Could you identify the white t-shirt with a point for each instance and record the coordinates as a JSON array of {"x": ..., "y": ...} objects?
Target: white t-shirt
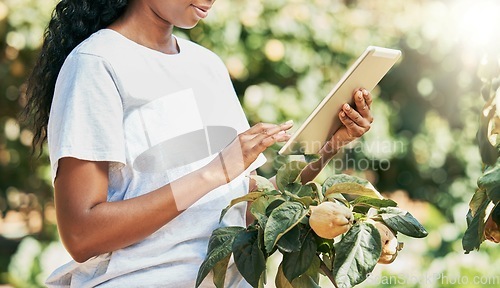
[{"x": 154, "y": 117}]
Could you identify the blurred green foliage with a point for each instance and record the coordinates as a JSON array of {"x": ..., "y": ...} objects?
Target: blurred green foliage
[{"x": 283, "y": 57}]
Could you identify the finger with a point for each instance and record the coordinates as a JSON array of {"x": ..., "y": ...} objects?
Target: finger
[
  {"x": 355, "y": 116},
  {"x": 258, "y": 128},
  {"x": 353, "y": 130},
  {"x": 269, "y": 141},
  {"x": 368, "y": 97},
  {"x": 360, "y": 99},
  {"x": 368, "y": 100},
  {"x": 360, "y": 103},
  {"x": 274, "y": 131},
  {"x": 265, "y": 127}
]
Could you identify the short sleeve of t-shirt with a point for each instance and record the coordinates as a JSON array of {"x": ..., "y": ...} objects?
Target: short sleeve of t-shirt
[{"x": 86, "y": 118}]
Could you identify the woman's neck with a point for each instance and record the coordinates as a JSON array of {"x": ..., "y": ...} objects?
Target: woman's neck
[{"x": 140, "y": 24}]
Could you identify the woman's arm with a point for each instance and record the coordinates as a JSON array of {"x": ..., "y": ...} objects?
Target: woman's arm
[{"x": 89, "y": 225}]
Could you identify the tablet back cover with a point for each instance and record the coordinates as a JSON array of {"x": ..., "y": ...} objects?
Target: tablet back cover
[{"x": 323, "y": 122}]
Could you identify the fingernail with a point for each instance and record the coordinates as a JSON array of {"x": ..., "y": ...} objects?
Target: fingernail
[
  {"x": 359, "y": 95},
  {"x": 365, "y": 92},
  {"x": 342, "y": 114},
  {"x": 347, "y": 107},
  {"x": 289, "y": 122}
]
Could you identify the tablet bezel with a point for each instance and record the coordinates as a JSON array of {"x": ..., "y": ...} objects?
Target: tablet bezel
[{"x": 313, "y": 134}]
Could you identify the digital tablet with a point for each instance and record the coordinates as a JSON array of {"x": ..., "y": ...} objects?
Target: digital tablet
[{"x": 324, "y": 121}]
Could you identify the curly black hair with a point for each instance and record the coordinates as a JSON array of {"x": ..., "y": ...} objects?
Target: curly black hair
[{"x": 72, "y": 22}]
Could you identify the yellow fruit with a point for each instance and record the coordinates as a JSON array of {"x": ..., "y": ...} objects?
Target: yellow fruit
[
  {"x": 387, "y": 258},
  {"x": 390, "y": 245},
  {"x": 330, "y": 219}
]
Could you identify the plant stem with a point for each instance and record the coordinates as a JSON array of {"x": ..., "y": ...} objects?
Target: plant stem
[{"x": 327, "y": 271}]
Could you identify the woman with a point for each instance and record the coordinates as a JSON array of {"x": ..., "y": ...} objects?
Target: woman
[{"x": 137, "y": 118}]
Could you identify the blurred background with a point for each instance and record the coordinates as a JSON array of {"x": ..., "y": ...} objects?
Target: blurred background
[{"x": 284, "y": 56}]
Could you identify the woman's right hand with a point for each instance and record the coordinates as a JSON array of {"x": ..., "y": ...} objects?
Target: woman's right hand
[{"x": 247, "y": 146}]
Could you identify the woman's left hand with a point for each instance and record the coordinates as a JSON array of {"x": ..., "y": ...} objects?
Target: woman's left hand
[{"x": 357, "y": 120}]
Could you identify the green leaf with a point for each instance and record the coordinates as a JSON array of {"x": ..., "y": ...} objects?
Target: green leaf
[
  {"x": 495, "y": 214},
  {"x": 353, "y": 189},
  {"x": 273, "y": 205},
  {"x": 361, "y": 210},
  {"x": 219, "y": 247},
  {"x": 252, "y": 196},
  {"x": 310, "y": 279},
  {"x": 317, "y": 190},
  {"x": 402, "y": 221},
  {"x": 477, "y": 200},
  {"x": 494, "y": 195},
  {"x": 489, "y": 153},
  {"x": 289, "y": 173},
  {"x": 306, "y": 200},
  {"x": 312, "y": 271},
  {"x": 263, "y": 184},
  {"x": 290, "y": 242},
  {"x": 262, "y": 280},
  {"x": 220, "y": 270},
  {"x": 300, "y": 190},
  {"x": 324, "y": 245},
  {"x": 305, "y": 281},
  {"x": 338, "y": 197},
  {"x": 356, "y": 255},
  {"x": 297, "y": 263},
  {"x": 373, "y": 202},
  {"x": 281, "y": 220},
  {"x": 258, "y": 208},
  {"x": 248, "y": 257},
  {"x": 474, "y": 235},
  {"x": 280, "y": 280},
  {"x": 491, "y": 178},
  {"x": 343, "y": 178},
  {"x": 328, "y": 259}
]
